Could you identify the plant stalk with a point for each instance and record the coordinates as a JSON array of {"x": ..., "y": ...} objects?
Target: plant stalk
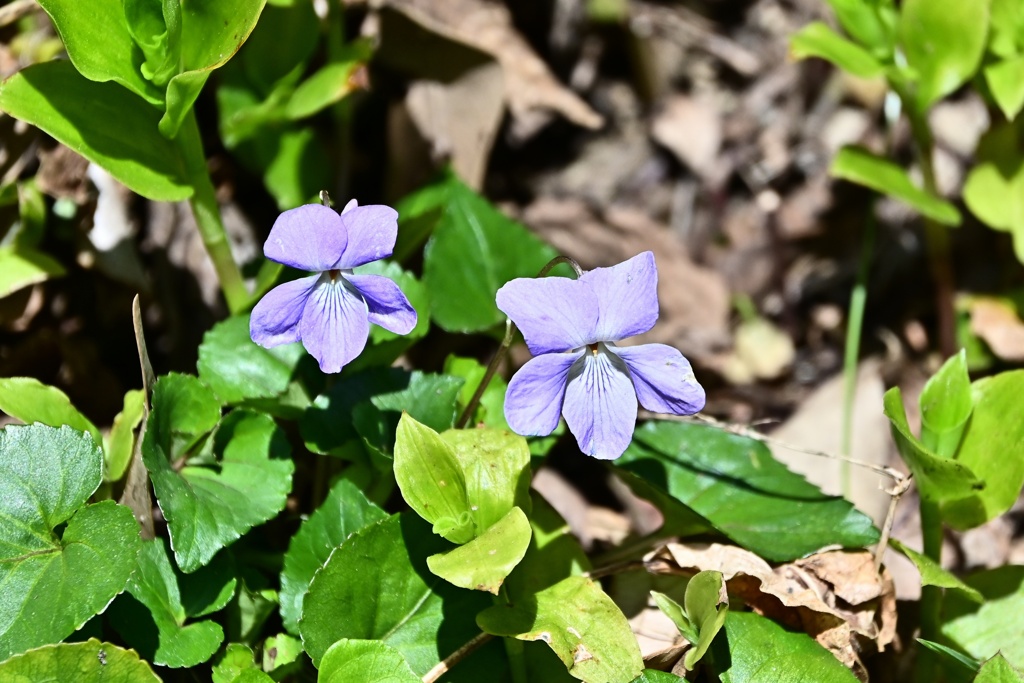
[
  {"x": 931, "y": 596},
  {"x": 207, "y": 215}
]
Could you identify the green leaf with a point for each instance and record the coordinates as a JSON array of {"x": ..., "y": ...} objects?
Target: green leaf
[
  {"x": 655, "y": 676},
  {"x": 994, "y": 190},
  {"x": 237, "y": 369},
  {"x": 998, "y": 670},
  {"x": 490, "y": 410},
  {"x": 484, "y": 562},
  {"x": 344, "y": 512},
  {"x": 707, "y": 606},
  {"x": 860, "y": 166},
  {"x": 378, "y": 578},
  {"x": 938, "y": 479},
  {"x": 674, "y": 611},
  {"x": 1007, "y": 28},
  {"x": 554, "y": 553},
  {"x": 210, "y": 504},
  {"x": 386, "y": 346},
  {"x": 55, "y": 581},
  {"x": 29, "y": 400},
  {"x": 496, "y": 466},
  {"x": 994, "y": 626},
  {"x": 946, "y": 405},
  {"x": 579, "y": 622},
  {"x": 872, "y": 24},
  {"x": 432, "y": 481},
  {"x": 283, "y": 655},
  {"x": 120, "y": 444},
  {"x": 211, "y": 33},
  {"x": 367, "y": 661},
  {"x": 761, "y": 651},
  {"x": 99, "y": 44},
  {"x": 475, "y": 249},
  {"x": 993, "y": 448},
  {"x": 943, "y": 41},
  {"x": 1005, "y": 79},
  {"x": 278, "y": 49},
  {"x": 330, "y": 84},
  {"x": 818, "y": 40},
  {"x": 932, "y": 573},
  {"x": 92, "y": 662},
  {"x": 734, "y": 483},
  {"x": 155, "y": 26},
  {"x": 154, "y": 587},
  {"x": 117, "y": 131},
  {"x": 22, "y": 267},
  {"x": 232, "y": 662},
  {"x": 969, "y": 663}
]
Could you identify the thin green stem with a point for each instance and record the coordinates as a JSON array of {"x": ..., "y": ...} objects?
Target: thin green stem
[
  {"x": 931, "y": 596},
  {"x": 207, "y": 214},
  {"x": 513, "y": 647},
  {"x": 854, "y": 333}
]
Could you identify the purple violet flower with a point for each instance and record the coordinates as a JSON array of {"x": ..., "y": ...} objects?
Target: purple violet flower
[
  {"x": 330, "y": 312},
  {"x": 571, "y": 327}
]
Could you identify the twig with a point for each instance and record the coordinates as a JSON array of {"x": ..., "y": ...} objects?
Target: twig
[
  {"x": 894, "y": 498},
  {"x": 454, "y": 658},
  {"x": 16, "y": 10}
]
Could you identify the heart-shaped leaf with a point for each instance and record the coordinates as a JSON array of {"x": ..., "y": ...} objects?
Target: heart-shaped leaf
[
  {"x": 367, "y": 661},
  {"x": 92, "y": 662}
]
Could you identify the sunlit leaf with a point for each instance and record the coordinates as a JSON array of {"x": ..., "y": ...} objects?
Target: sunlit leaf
[
  {"x": 22, "y": 267},
  {"x": 818, "y": 40},
  {"x": 761, "y": 651},
  {"x": 367, "y": 661},
  {"x": 946, "y": 405},
  {"x": 994, "y": 626},
  {"x": 29, "y": 400},
  {"x": 484, "y": 562},
  {"x": 92, "y": 662},
  {"x": 994, "y": 190},
  {"x": 932, "y": 573}
]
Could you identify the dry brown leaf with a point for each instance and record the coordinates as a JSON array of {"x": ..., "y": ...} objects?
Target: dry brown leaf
[
  {"x": 532, "y": 92},
  {"x": 998, "y": 324},
  {"x": 694, "y": 300},
  {"x": 691, "y": 128},
  {"x": 836, "y": 596}
]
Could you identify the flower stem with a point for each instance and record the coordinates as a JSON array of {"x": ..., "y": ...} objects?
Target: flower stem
[
  {"x": 931, "y": 596},
  {"x": 854, "y": 332},
  {"x": 207, "y": 215},
  {"x": 499, "y": 356},
  {"x": 454, "y": 658}
]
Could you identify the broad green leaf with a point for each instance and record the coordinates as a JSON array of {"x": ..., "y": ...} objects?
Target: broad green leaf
[
  {"x": 818, "y": 40},
  {"x": 491, "y": 409},
  {"x": 29, "y": 400},
  {"x": 707, "y": 606},
  {"x": 474, "y": 250},
  {"x": 120, "y": 443},
  {"x": 344, "y": 512},
  {"x": 432, "y": 481},
  {"x": 993, "y": 448},
  {"x": 117, "y": 131},
  {"x": 1007, "y": 28},
  {"x": 209, "y": 504},
  {"x": 237, "y": 369},
  {"x": 99, "y": 44},
  {"x": 330, "y": 84},
  {"x": 54, "y": 581},
  {"x": 938, "y": 479},
  {"x": 1005, "y": 79},
  {"x": 860, "y": 166},
  {"x": 998, "y": 670},
  {"x": 367, "y": 661},
  {"x": 943, "y": 41},
  {"x": 379, "y": 580},
  {"x": 156, "y": 601},
  {"x": 211, "y": 33},
  {"x": 872, "y": 24},
  {"x": 579, "y": 622},
  {"x": 946, "y": 405},
  {"x": 994, "y": 626},
  {"x": 92, "y": 662},
  {"x": 761, "y": 651},
  {"x": 735, "y": 484},
  {"x": 496, "y": 467},
  {"x": 484, "y": 562},
  {"x": 994, "y": 190},
  {"x": 22, "y": 267},
  {"x": 932, "y": 574}
]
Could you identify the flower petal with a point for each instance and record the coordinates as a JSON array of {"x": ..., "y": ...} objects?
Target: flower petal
[
  {"x": 275, "y": 319},
  {"x": 372, "y": 231},
  {"x": 600, "y": 405},
  {"x": 334, "y": 324},
  {"x": 533, "y": 402},
  {"x": 663, "y": 379},
  {"x": 554, "y": 313},
  {"x": 627, "y": 296},
  {"x": 387, "y": 304},
  {"x": 310, "y": 237}
]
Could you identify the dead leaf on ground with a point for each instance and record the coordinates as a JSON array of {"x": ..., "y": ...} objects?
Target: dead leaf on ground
[
  {"x": 531, "y": 90},
  {"x": 691, "y": 128},
  {"x": 998, "y": 324},
  {"x": 694, "y": 300},
  {"x": 836, "y": 596}
]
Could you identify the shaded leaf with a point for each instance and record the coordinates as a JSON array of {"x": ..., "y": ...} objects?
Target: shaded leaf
[
  {"x": 761, "y": 651},
  {"x": 994, "y": 190},
  {"x": 707, "y": 606},
  {"x": 860, "y": 166},
  {"x": 120, "y": 443},
  {"x": 92, "y": 662},
  {"x": 54, "y": 581},
  {"x": 117, "y": 131},
  {"x": 994, "y": 626}
]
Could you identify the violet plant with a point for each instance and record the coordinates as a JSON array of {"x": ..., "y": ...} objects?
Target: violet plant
[{"x": 304, "y": 508}]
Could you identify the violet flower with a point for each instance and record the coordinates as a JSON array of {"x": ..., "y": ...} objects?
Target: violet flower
[
  {"x": 571, "y": 327},
  {"x": 330, "y": 312}
]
